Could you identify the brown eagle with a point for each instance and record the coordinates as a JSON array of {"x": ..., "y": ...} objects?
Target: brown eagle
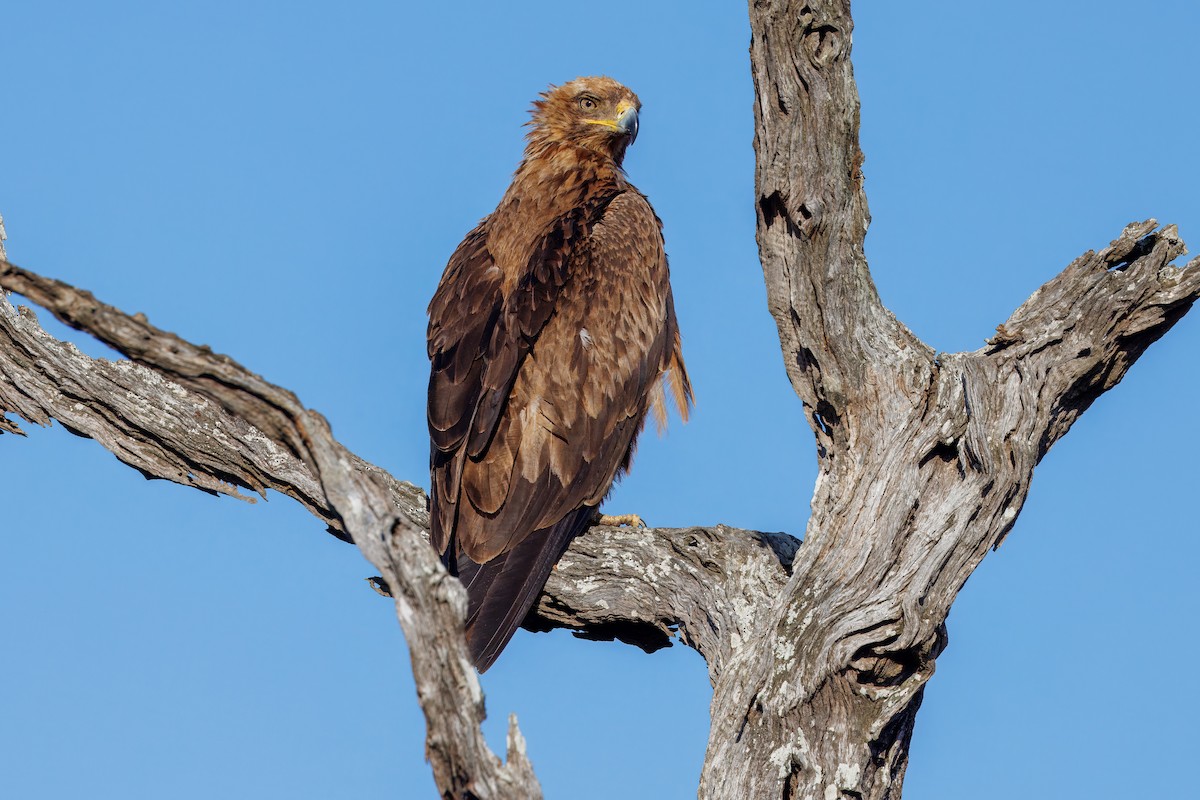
[{"x": 551, "y": 335}]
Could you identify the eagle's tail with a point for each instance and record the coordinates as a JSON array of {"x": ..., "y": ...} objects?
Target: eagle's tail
[{"x": 502, "y": 591}]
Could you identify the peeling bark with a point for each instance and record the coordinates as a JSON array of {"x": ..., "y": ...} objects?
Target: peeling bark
[{"x": 818, "y": 654}]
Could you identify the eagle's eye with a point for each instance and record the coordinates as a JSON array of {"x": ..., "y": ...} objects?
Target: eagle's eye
[{"x": 588, "y": 103}]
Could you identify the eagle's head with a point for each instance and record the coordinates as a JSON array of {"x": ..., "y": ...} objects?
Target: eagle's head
[{"x": 597, "y": 113}]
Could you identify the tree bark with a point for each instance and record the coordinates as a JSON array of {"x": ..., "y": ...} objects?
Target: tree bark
[
  {"x": 924, "y": 459},
  {"x": 818, "y": 654}
]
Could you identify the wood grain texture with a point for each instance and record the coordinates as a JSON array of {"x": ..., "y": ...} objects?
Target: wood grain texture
[{"x": 924, "y": 459}]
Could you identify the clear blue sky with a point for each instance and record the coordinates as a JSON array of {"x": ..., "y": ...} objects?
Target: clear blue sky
[{"x": 285, "y": 182}]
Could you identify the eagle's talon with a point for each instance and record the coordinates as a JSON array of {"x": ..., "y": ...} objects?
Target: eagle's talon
[{"x": 616, "y": 521}]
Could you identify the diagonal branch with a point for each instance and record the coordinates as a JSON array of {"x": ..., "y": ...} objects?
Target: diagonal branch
[
  {"x": 179, "y": 412},
  {"x": 269, "y": 408},
  {"x": 142, "y": 417},
  {"x": 431, "y": 606},
  {"x": 208, "y": 377},
  {"x": 1079, "y": 334}
]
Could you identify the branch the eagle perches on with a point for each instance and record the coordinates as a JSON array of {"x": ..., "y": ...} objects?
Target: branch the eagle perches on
[
  {"x": 179, "y": 412},
  {"x": 924, "y": 462}
]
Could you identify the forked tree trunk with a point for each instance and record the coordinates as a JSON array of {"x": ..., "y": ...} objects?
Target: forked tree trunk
[
  {"x": 924, "y": 460},
  {"x": 819, "y": 653}
]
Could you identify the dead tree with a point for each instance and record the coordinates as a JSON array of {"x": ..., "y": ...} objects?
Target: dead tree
[{"x": 818, "y": 654}]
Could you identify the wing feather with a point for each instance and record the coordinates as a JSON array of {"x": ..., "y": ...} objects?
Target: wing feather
[
  {"x": 529, "y": 306},
  {"x": 462, "y": 315}
]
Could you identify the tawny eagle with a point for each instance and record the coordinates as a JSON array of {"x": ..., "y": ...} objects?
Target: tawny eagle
[{"x": 551, "y": 335}]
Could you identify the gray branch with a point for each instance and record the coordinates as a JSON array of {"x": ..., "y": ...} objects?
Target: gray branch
[{"x": 179, "y": 412}]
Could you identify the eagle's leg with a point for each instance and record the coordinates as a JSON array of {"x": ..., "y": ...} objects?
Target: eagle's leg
[{"x": 633, "y": 520}]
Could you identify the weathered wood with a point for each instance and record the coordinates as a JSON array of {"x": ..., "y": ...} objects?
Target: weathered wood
[
  {"x": 925, "y": 460},
  {"x": 269, "y": 408},
  {"x": 146, "y": 420},
  {"x": 637, "y": 585},
  {"x": 697, "y": 582},
  {"x": 431, "y": 607}
]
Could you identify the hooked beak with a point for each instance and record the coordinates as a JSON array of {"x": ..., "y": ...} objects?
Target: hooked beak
[{"x": 627, "y": 120}]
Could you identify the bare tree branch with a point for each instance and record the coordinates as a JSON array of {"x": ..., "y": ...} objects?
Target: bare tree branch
[
  {"x": 144, "y": 419},
  {"x": 183, "y": 434},
  {"x": 267, "y": 407},
  {"x": 638, "y": 586},
  {"x": 1076, "y": 337},
  {"x": 431, "y": 606}
]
